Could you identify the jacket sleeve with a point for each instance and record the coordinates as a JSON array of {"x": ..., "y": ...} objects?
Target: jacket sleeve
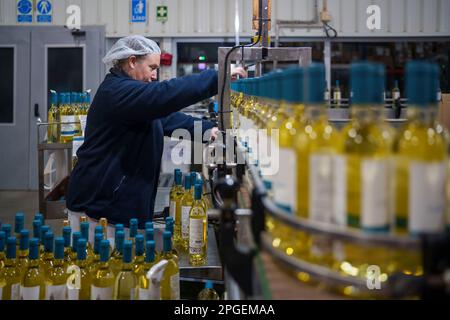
[
  {"x": 133, "y": 101},
  {"x": 180, "y": 120}
]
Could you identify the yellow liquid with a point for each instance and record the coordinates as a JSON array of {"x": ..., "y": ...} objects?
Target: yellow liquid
[
  {"x": 46, "y": 261},
  {"x": 34, "y": 277},
  {"x": 67, "y": 115},
  {"x": 54, "y": 130},
  {"x": 86, "y": 280},
  {"x": 198, "y": 239},
  {"x": 126, "y": 284},
  {"x": 170, "y": 280},
  {"x": 57, "y": 274},
  {"x": 9, "y": 279},
  {"x": 177, "y": 196},
  {"x": 22, "y": 261},
  {"x": 103, "y": 277},
  {"x": 320, "y": 142},
  {"x": 186, "y": 204}
]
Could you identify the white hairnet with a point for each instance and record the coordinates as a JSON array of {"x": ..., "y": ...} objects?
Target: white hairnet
[{"x": 130, "y": 46}]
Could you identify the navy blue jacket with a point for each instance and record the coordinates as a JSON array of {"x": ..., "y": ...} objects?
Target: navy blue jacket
[{"x": 117, "y": 172}]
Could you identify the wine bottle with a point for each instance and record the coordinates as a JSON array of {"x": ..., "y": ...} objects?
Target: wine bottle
[
  {"x": 32, "y": 285},
  {"x": 56, "y": 278},
  {"x": 117, "y": 256},
  {"x": 170, "y": 283},
  {"x": 10, "y": 273},
  {"x": 126, "y": 282},
  {"x": 102, "y": 287},
  {"x": 144, "y": 282}
]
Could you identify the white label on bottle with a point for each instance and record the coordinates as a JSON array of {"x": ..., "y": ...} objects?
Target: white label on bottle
[
  {"x": 15, "y": 291},
  {"x": 73, "y": 294},
  {"x": 175, "y": 287},
  {"x": 148, "y": 294},
  {"x": 326, "y": 96},
  {"x": 55, "y": 292},
  {"x": 76, "y": 144},
  {"x": 395, "y": 95},
  {"x": 195, "y": 236},
  {"x": 321, "y": 187},
  {"x": 30, "y": 293},
  {"x": 426, "y": 197},
  {"x": 83, "y": 119},
  {"x": 340, "y": 191},
  {"x": 337, "y": 95},
  {"x": 98, "y": 293},
  {"x": 67, "y": 129},
  {"x": 172, "y": 209},
  {"x": 185, "y": 221},
  {"x": 133, "y": 294},
  {"x": 285, "y": 189},
  {"x": 374, "y": 198}
]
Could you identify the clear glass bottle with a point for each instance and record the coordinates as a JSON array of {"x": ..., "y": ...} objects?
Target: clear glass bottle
[
  {"x": 32, "y": 284},
  {"x": 102, "y": 287},
  {"x": 126, "y": 282},
  {"x": 56, "y": 278}
]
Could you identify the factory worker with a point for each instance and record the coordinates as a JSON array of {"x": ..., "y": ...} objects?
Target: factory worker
[{"x": 116, "y": 175}]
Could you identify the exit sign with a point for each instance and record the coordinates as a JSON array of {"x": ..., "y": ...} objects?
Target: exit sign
[{"x": 161, "y": 13}]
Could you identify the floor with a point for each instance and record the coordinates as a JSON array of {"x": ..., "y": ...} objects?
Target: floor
[{"x": 27, "y": 202}]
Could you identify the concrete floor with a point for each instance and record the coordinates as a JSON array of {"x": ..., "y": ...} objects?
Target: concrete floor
[{"x": 27, "y": 202}]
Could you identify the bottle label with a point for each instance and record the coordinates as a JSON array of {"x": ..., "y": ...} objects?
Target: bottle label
[
  {"x": 73, "y": 294},
  {"x": 395, "y": 95},
  {"x": 172, "y": 209},
  {"x": 15, "y": 291},
  {"x": 340, "y": 191},
  {"x": 83, "y": 119},
  {"x": 426, "y": 200},
  {"x": 320, "y": 188},
  {"x": 374, "y": 198},
  {"x": 148, "y": 294},
  {"x": 185, "y": 221},
  {"x": 98, "y": 293},
  {"x": 195, "y": 236},
  {"x": 175, "y": 287},
  {"x": 76, "y": 144},
  {"x": 55, "y": 292},
  {"x": 67, "y": 129},
  {"x": 285, "y": 188},
  {"x": 30, "y": 293},
  {"x": 337, "y": 95}
]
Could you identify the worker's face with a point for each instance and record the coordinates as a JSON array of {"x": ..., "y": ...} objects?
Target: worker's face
[{"x": 144, "y": 68}]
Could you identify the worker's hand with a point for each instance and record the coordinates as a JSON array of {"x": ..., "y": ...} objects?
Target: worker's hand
[{"x": 238, "y": 71}]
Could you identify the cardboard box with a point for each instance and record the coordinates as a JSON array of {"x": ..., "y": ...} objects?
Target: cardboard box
[{"x": 444, "y": 111}]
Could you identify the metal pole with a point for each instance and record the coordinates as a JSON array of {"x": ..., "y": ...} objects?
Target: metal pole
[{"x": 327, "y": 62}]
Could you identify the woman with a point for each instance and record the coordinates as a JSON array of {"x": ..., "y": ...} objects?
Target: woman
[{"x": 116, "y": 175}]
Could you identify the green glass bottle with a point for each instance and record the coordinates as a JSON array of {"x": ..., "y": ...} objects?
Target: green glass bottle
[
  {"x": 22, "y": 259},
  {"x": 139, "y": 258},
  {"x": 117, "y": 256},
  {"x": 198, "y": 223},
  {"x": 170, "y": 283},
  {"x": 67, "y": 234},
  {"x": 32, "y": 285},
  {"x": 102, "y": 287},
  {"x": 94, "y": 263},
  {"x": 126, "y": 282},
  {"x": 10, "y": 273},
  {"x": 186, "y": 204},
  {"x": 144, "y": 282},
  {"x": 48, "y": 256},
  {"x": 56, "y": 278}
]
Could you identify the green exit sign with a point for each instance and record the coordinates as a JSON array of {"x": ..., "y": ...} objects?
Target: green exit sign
[{"x": 161, "y": 13}]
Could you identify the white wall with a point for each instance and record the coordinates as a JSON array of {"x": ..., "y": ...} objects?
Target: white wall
[{"x": 215, "y": 18}]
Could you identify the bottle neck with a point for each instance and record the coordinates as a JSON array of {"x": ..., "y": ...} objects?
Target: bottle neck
[
  {"x": 366, "y": 113},
  {"x": 316, "y": 112},
  {"x": 58, "y": 262},
  {"x": 34, "y": 263},
  {"x": 82, "y": 263},
  {"x": 23, "y": 254},
  {"x": 128, "y": 266},
  {"x": 422, "y": 114}
]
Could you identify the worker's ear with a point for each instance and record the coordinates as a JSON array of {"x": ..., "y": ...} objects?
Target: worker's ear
[{"x": 132, "y": 62}]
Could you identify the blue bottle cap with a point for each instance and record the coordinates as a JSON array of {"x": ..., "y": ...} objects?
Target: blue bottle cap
[
  {"x": 62, "y": 98},
  {"x": 97, "y": 240},
  {"x": 24, "y": 239},
  {"x": 119, "y": 227},
  {"x": 81, "y": 249},
  {"x": 150, "y": 251},
  {"x": 362, "y": 82},
  {"x": 48, "y": 241},
  {"x": 53, "y": 97},
  {"x": 379, "y": 82},
  {"x": 198, "y": 192},
  {"x": 104, "y": 250},
  {"x": 187, "y": 182},
  {"x": 2, "y": 241},
  {"x": 418, "y": 82},
  {"x": 88, "y": 98},
  {"x": 127, "y": 251},
  {"x": 133, "y": 227},
  {"x": 149, "y": 225},
  {"x": 169, "y": 219},
  {"x": 39, "y": 216},
  {"x": 44, "y": 230},
  {"x": 268, "y": 184},
  {"x": 169, "y": 226},
  {"x": 59, "y": 248},
  {"x": 67, "y": 232},
  {"x": 73, "y": 97},
  {"x": 149, "y": 234},
  {"x": 175, "y": 171},
  {"x": 178, "y": 178},
  {"x": 11, "y": 247},
  {"x": 98, "y": 229},
  {"x": 84, "y": 228},
  {"x": 19, "y": 222},
  {"x": 139, "y": 245},
  {"x": 167, "y": 241},
  {"x": 34, "y": 249},
  {"x": 292, "y": 89},
  {"x": 37, "y": 228},
  {"x": 314, "y": 83},
  {"x": 120, "y": 238},
  {"x": 209, "y": 284},
  {"x": 7, "y": 229},
  {"x": 193, "y": 175},
  {"x": 75, "y": 237}
]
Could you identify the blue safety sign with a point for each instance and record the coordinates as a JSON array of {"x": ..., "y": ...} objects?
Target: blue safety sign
[
  {"x": 24, "y": 11},
  {"x": 138, "y": 10},
  {"x": 44, "y": 11}
]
